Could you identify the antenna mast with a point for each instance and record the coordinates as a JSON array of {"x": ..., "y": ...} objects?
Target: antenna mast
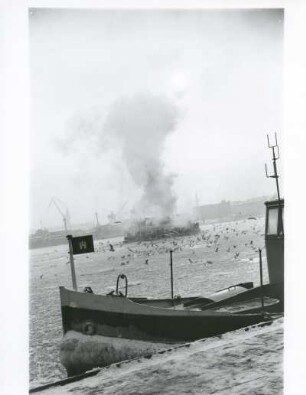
[{"x": 275, "y": 157}]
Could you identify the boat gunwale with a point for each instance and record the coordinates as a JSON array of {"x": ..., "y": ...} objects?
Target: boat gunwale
[{"x": 130, "y": 307}]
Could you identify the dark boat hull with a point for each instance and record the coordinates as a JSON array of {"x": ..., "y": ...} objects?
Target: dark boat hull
[
  {"x": 120, "y": 317},
  {"x": 100, "y": 330},
  {"x": 161, "y": 328}
]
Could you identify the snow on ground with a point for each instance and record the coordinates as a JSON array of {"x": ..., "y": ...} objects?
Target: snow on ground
[{"x": 244, "y": 362}]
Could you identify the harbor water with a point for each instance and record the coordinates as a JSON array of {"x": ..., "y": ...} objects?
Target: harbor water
[{"x": 223, "y": 254}]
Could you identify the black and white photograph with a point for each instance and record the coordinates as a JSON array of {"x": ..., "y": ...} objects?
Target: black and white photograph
[{"x": 155, "y": 239}]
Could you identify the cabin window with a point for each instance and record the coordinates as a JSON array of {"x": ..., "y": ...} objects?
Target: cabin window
[
  {"x": 275, "y": 221},
  {"x": 272, "y": 221},
  {"x": 281, "y": 222}
]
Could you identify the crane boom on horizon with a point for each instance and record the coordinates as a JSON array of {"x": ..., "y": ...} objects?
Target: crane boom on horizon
[{"x": 64, "y": 217}]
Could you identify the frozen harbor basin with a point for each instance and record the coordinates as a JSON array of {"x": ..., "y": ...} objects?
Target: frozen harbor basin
[
  {"x": 248, "y": 361},
  {"x": 222, "y": 255}
]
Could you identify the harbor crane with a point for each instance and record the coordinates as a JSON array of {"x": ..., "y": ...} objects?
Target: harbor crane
[
  {"x": 65, "y": 217},
  {"x": 97, "y": 219},
  {"x": 122, "y": 208},
  {"x": 112, "y": 216}
]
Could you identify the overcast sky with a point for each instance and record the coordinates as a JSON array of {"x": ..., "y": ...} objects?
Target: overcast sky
[{"x": 220, "y": 70}]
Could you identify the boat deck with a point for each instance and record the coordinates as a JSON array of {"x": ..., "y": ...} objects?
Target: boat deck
[{"x": 254, "y": 304}]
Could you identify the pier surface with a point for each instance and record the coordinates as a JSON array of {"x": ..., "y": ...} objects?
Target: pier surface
[{"x": 246, "y": 361}]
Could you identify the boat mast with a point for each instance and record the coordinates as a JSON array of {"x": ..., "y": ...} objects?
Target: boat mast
[
  {"x": 274, "y": 232},
  {"x": 275, "y": 157},
  {"x": 72, "y": 267},
  {"x": 171, "y": 273},
  {"x": 261, "y": 281}
]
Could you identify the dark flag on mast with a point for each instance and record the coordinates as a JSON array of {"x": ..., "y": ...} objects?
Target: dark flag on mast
[
  {"x": 82, "y": 244},
  {"x": 78, "y": 245}
]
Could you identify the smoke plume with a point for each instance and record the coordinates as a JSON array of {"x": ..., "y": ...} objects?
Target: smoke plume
[{"x": 140, "y": 126}]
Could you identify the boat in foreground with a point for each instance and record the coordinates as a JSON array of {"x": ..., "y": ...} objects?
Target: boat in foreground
[{"x": 103, "y": 329}]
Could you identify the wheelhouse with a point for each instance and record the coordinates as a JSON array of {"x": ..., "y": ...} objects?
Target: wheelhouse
[{"x": 274, "y": 238}]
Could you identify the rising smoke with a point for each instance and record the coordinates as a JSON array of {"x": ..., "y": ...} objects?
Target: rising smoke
[{"x": 140, "y": 125}]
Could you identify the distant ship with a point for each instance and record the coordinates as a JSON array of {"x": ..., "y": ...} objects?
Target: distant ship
[
  {"x": 43, "y": 238},
  {"x": 147, "y": 230}
]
